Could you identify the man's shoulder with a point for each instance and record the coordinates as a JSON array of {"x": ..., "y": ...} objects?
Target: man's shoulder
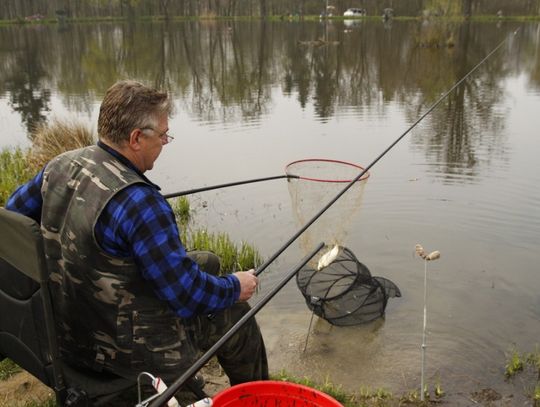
[{"x": 140, "y": 193}]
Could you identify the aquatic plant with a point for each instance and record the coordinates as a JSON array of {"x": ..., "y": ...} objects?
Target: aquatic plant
[
  {"x": 517, "y": 363},
  {"x": 533, "y": 359},
  {"x": 377, "y": 396},
  {"x": 182, "y": 210},
  {"x": 514, "y": 364},
  {"x": 536, "y": 395},
  {"x": 439, "y": 392},
  {"x": 248, "y": 257}
]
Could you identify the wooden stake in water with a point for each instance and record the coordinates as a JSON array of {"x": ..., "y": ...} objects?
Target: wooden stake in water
[{"x": 427, "y": 257}]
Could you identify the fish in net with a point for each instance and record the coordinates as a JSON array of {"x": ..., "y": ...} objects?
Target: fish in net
[{"x": 342, "y": 291}]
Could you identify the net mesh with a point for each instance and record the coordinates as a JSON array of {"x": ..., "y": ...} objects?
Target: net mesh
[
  {"x": 344, "y": 292},
  {"x": 320, "y": 180}
]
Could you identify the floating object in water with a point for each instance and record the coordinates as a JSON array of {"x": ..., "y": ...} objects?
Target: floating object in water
[
  {"x": 433, "y": 255},
  {"x": 422, "y": 253},
  {"x": 327, "y": 258}
]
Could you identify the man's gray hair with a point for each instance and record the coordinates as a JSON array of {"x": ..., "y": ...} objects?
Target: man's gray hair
[{"x": 129, "y": 105}]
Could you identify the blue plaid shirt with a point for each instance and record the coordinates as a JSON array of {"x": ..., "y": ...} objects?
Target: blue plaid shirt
[{"x": 139, "y": 223}]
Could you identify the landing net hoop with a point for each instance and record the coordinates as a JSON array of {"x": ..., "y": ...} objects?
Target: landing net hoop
[
  {"x": 316, "y": 180},
  {"x": 333, "y": 171}
]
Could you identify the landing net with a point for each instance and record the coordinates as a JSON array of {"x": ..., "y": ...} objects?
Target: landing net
[{"x": 318, "y": 182}]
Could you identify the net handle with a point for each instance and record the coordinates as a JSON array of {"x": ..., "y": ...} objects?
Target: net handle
[{"x": 325, "y": 160}]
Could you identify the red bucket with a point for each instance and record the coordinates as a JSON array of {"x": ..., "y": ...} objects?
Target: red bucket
[{"x": 270, "y": 393}]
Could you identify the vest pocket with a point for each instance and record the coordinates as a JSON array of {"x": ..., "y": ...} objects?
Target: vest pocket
[{"x": 160, "y": 341}]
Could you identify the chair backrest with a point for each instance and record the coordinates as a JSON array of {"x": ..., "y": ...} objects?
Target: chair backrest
[
  {"x": 21, "y": 245},
  {"x": 27, "y": 332},
  {"x": 27, "y": 329}
]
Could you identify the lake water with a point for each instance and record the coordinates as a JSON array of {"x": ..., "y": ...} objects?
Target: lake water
[{"x": 252, "y": 97}]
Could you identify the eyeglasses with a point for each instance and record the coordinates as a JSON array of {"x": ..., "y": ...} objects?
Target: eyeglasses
[{"x": 163, "y": 136}]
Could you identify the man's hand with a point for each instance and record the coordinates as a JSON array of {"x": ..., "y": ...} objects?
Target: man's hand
[{"x": 248, "y": 284}]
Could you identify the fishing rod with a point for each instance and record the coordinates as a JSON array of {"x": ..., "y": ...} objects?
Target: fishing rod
[
  {"x": 229, "y": 184},
  {"x": 173, "y": 388},
  {"x": 170, "y": 391}
]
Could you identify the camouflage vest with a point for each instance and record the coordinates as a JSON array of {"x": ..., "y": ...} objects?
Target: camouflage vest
[{"x": 107, "y": 314}]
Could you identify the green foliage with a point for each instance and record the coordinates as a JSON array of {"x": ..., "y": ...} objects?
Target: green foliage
[
  {"x": 182, "y": 211},
  {"x": 14, "y": 171},
  {"x": 231, "y": 258},
  {"x": 518, "y": 362},
  {"x": 536, "y": 395},
  {"x": 8, "y": 368},
  {"x": 439, "y": 392},
  {"x": 411, "y": 397},
  {"x": 50, "y": 402},
  {"x": 533, "y": 359},
  {"x": 514, "y": 364},
  {"x": 366, "y": 397},
  {"x": 332, "y": 390},
  {"x": 248, "y": 257},
  {"x": 374, "y": 396}
]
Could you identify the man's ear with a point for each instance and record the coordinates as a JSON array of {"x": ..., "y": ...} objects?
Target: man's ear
[{"x": 134, "y": 139}]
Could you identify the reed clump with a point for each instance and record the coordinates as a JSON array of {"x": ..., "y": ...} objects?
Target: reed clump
[
  {"x": 18, "y": 165},
  {"x": 182, "y": 211},
  {"x": 232, "y": 258},
  {"x": 57, "y": 137}
]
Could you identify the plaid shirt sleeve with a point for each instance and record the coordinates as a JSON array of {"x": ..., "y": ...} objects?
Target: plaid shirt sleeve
[
  {"x": 138, "y": 222},
  {"x": 27, "y": 198}
]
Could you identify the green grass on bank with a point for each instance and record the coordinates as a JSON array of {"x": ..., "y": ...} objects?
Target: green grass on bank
[
  {"x": 233, "y": 257},
  {"x": 14, "y": 171},
  {"x": 8, "y": 368}
]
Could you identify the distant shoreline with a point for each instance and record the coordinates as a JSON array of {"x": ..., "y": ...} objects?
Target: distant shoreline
[{"x": 160, "y": 18}]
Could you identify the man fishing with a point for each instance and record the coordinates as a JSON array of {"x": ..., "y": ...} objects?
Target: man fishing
[{"x": 127, "y": 297}]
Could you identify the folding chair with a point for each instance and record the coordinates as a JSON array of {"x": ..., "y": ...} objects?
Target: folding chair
[{"x": 27, "y": 329}]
